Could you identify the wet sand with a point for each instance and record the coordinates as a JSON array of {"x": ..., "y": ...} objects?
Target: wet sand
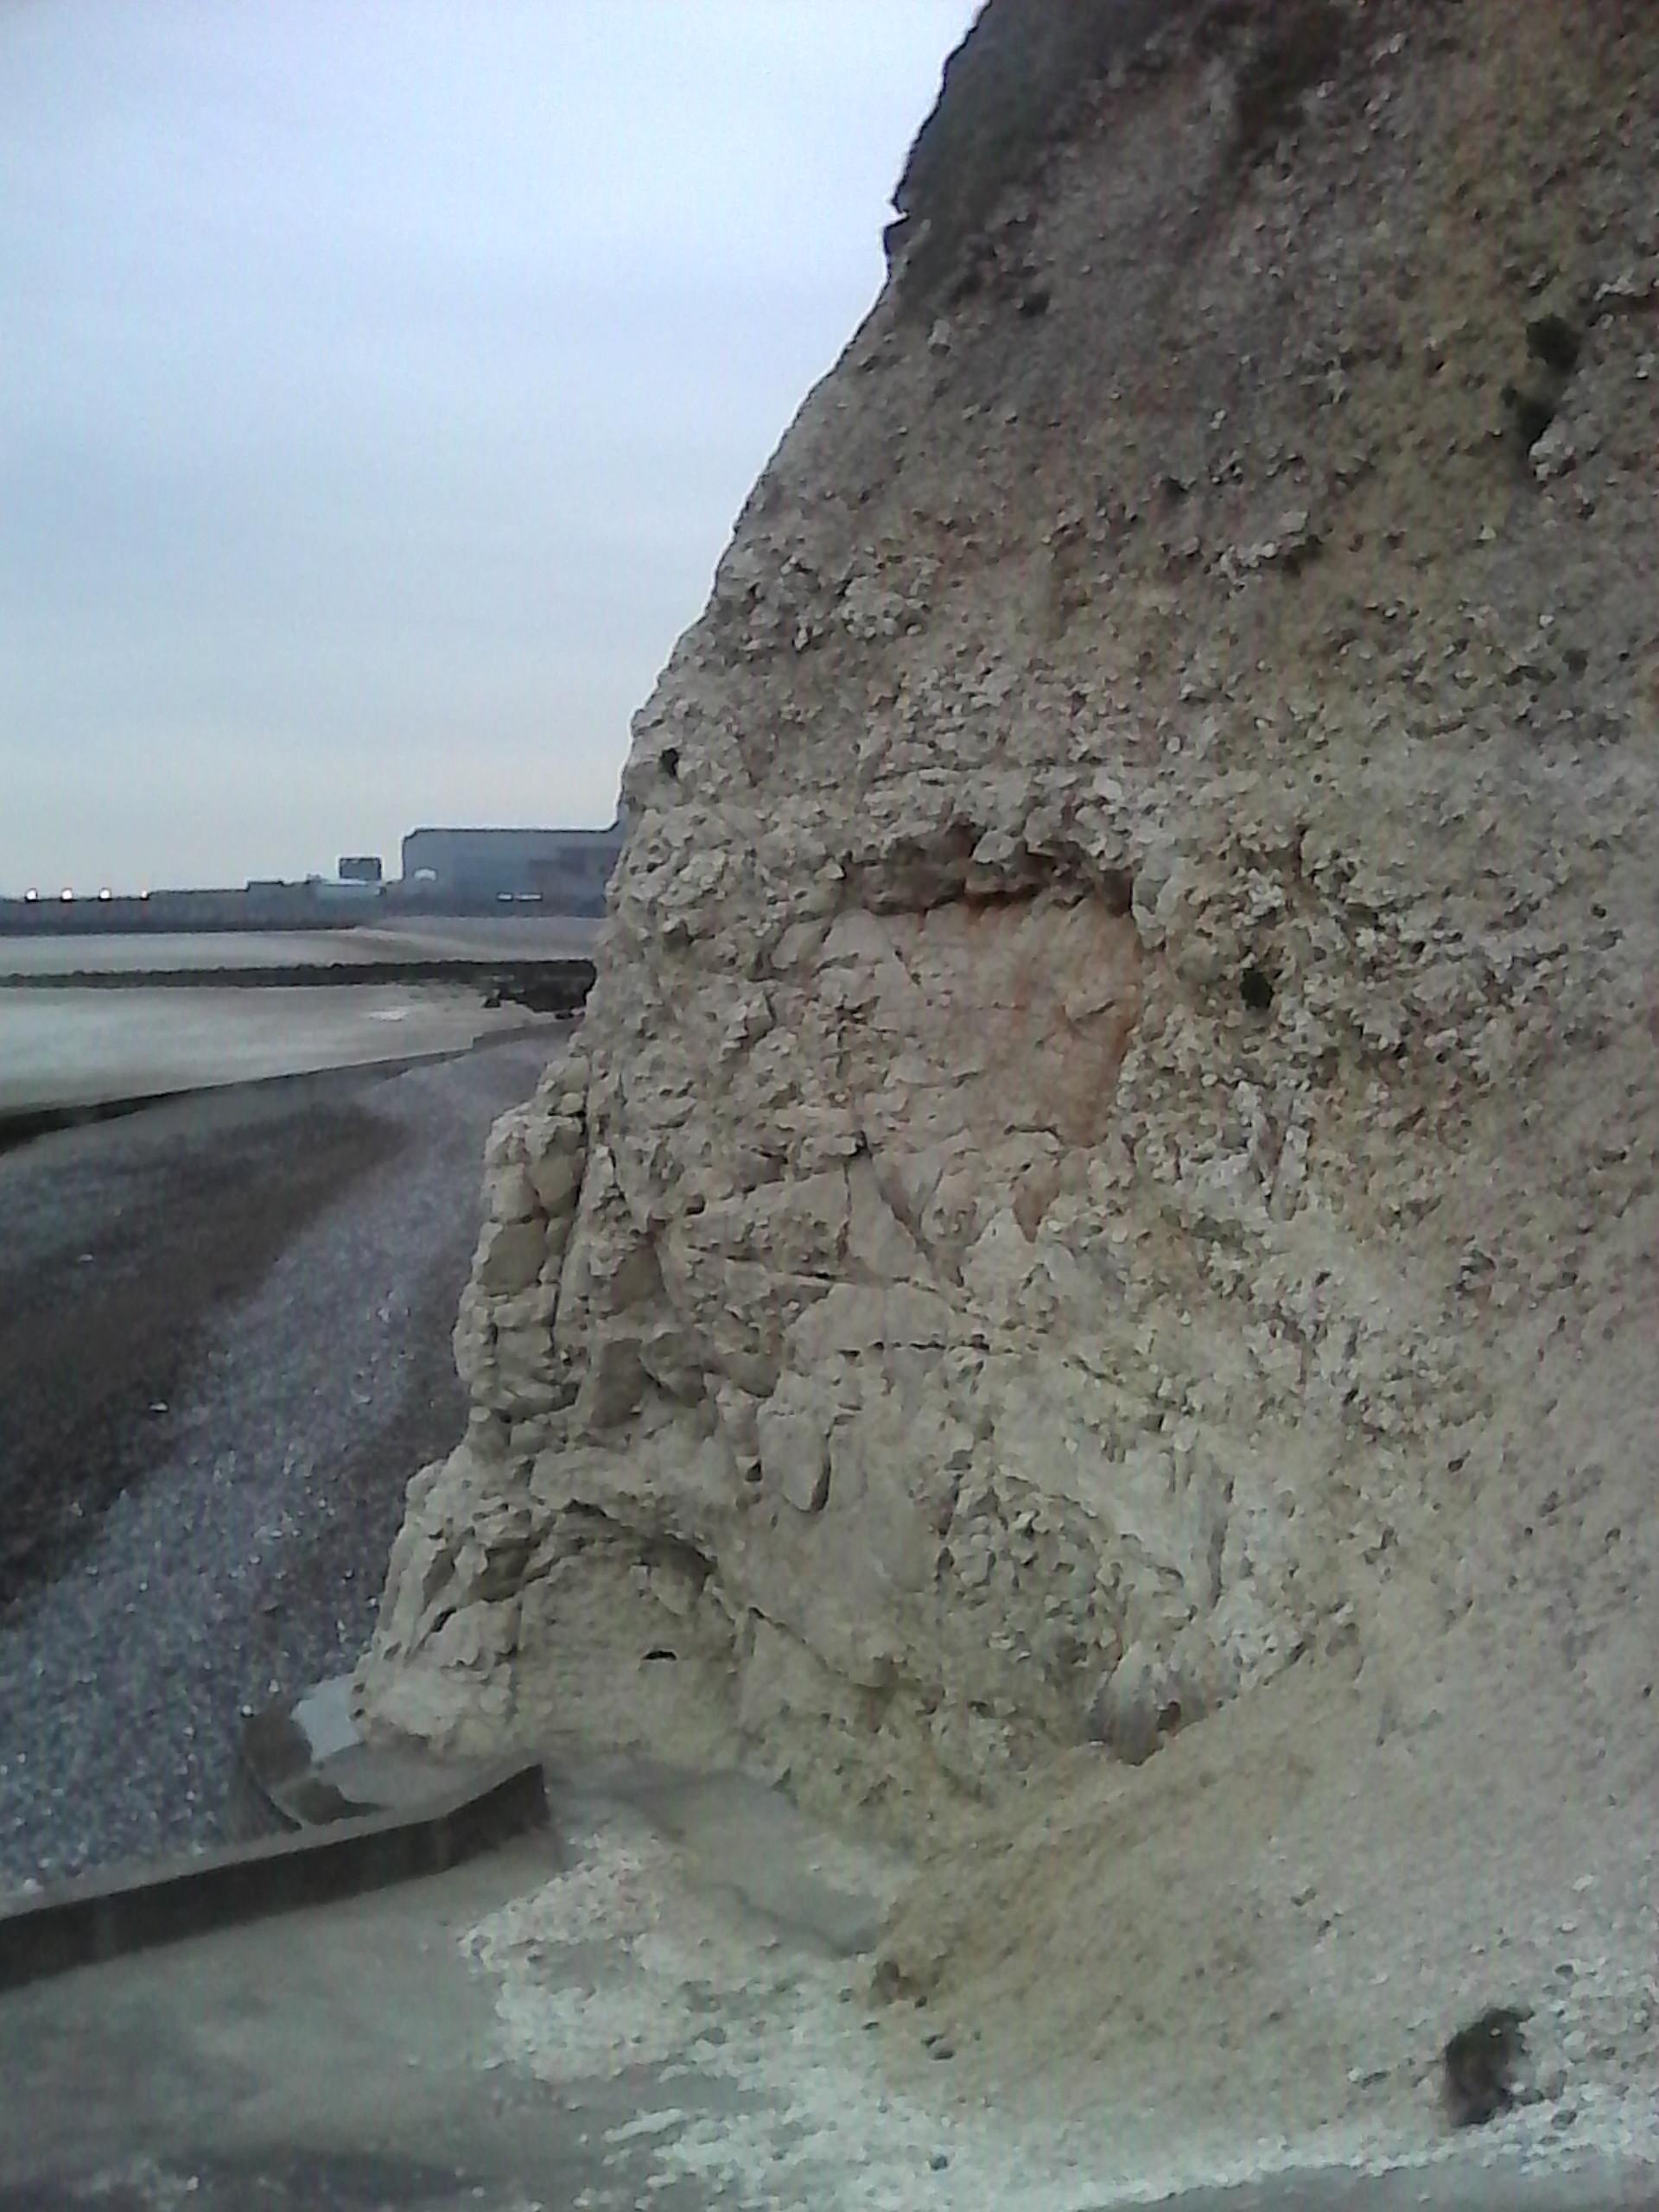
[
  {"x": 72, "y": 1048},
  {"x": 88, "y": 1020}
]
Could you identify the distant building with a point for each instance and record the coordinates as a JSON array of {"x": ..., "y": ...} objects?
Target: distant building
[
  {"x": 361, "y": 867},
  {"x": 563, "y": 871}
]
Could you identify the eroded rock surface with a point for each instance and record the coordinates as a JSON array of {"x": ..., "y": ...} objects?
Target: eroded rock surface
[{"x": 1123, "y": 1048}]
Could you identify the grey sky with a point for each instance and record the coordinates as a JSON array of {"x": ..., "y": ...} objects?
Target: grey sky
[{"x": 379, "y": 382}]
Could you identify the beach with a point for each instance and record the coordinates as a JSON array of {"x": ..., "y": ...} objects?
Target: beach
[
  {"x": 90, "y": 1022},
  {"x": 225, "y": 1327}
]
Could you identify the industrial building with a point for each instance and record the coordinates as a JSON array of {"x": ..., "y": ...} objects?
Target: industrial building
[
  {"x": 462, "y": 870},
  {"x": 560, "y": 872}
]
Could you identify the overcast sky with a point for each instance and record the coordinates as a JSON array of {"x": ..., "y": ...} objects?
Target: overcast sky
[{"x": 379, "y": 380}]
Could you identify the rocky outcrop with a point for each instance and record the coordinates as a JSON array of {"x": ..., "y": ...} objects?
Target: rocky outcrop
[{"x": 1124, "y": 1036}]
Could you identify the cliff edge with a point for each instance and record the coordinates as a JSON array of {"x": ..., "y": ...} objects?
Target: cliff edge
[{"x": 1113, "y": 1152}]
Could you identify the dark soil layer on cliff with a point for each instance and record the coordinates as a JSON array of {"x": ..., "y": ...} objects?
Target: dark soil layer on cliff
[{"x": 224, "y": 1343}]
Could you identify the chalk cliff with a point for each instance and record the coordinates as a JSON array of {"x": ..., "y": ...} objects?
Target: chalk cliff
[{"x": 1114, "y": 1146}]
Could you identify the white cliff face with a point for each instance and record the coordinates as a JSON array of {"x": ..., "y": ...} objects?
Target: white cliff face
[{"x": 1122, "y": 1052}]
